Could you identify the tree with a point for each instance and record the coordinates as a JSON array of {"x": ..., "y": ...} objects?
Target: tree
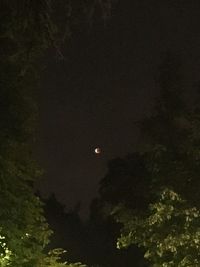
[
  {"x": 169, "y": 231},
  {"x": 23, "y": 228},
  {"x": 69, "y": 230},
  {"x": 27, "y": 28},
  {"x": 36, "y": 25},
  {"x": 103, "y": 232},
  {"x": 169, "y": 174}
]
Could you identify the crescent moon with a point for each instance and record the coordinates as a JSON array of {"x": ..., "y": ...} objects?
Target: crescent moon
[{"x": 97, "y": 150}]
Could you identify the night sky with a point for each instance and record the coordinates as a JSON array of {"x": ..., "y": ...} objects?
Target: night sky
[{"x": 105, "y": 84}]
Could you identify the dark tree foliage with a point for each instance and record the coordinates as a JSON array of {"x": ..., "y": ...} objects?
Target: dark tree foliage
[
  {"x": 169, "y": 152},
  {"x": 92, "y": 241},
  {"x": 69, "y": 230},
  {"x": 171, "y": 136},
  {"x": 126, "y": 182},
  {"x": 152, "y": 191},
  {"x": 106, "y": 231},
  {"x": 27, "y": 29},
  {"x": 34, "y": 25}
]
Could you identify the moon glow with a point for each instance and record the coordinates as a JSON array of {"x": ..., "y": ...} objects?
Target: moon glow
[{"x": 97, "y": 150}]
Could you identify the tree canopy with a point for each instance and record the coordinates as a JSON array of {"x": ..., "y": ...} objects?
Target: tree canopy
[{"x": 154, "y": 191}]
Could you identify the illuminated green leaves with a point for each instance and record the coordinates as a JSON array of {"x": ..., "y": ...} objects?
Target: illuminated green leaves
[
  {"x": 5, "y": 253},
  {"x": 169, "y": 232}
]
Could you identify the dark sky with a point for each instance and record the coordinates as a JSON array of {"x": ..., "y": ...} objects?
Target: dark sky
[{"x": 104, "y": 85}]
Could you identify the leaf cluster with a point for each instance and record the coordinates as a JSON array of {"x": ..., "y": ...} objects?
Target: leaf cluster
[{"x": 169, "y": 231}]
